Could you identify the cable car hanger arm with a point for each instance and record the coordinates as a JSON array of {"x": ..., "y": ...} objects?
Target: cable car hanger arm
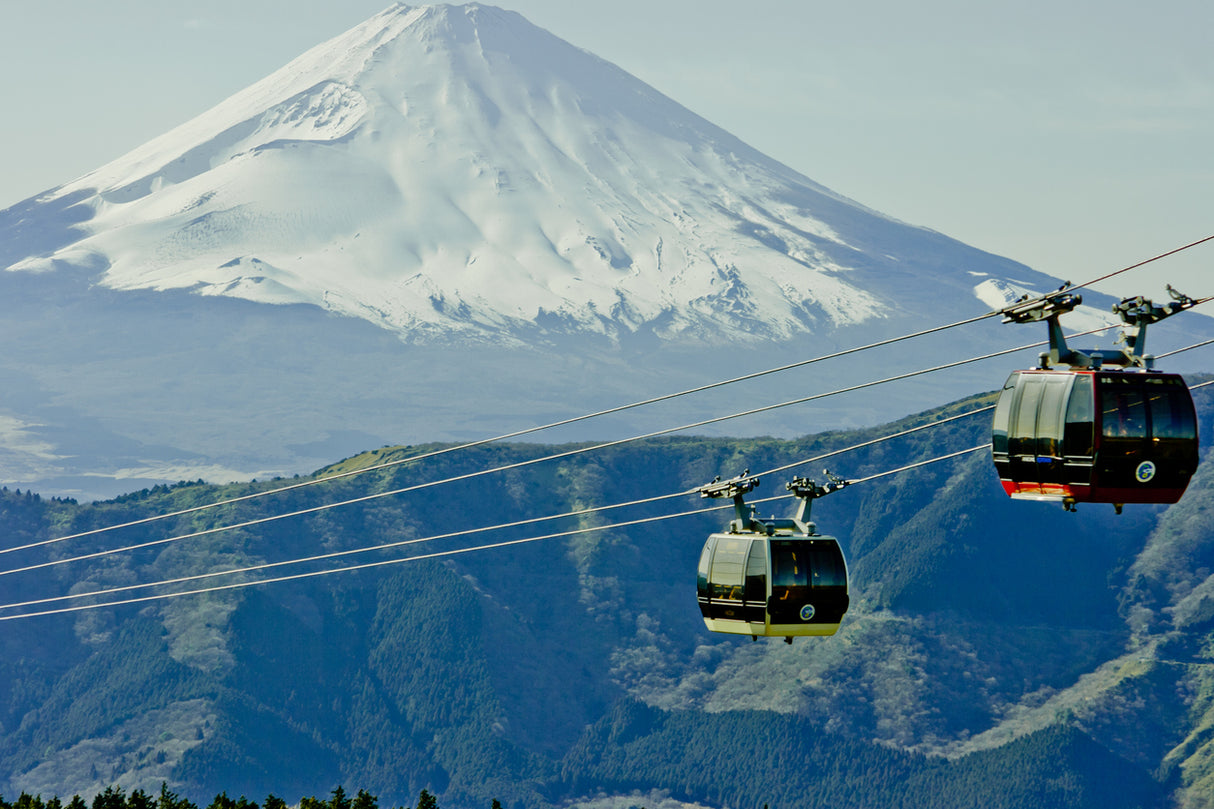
[
  {"x": 1135, "y": 312},
  {"x": 736, "y": 488},
  {"x": 804, "y": 489}
]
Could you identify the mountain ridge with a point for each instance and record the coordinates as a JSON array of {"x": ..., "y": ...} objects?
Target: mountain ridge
[
  {"x": 428, "y": 171},
  {"x": 549, "y": 672}
]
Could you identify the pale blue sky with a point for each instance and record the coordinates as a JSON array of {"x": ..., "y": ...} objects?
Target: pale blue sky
[{"x": 1076, "y": 137}]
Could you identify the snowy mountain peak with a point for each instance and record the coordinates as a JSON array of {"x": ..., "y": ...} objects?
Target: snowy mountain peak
[{"x": 456, "y": 172}]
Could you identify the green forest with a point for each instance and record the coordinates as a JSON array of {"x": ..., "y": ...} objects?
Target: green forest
[
  {"x": 997, "y": 653},
  {"x": 116, "y": 798}
]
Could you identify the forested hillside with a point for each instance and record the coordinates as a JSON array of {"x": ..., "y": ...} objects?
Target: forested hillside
[{"x": 997, "y": 653}]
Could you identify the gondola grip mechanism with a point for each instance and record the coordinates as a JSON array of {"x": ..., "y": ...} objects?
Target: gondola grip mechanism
[
  {"x": 735, "y": 488},
  {"x": 807, "y": 490}
]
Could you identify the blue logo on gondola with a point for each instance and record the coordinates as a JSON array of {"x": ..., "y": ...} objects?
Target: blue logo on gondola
[
  {"x": 1145, "y": 471},
  {"x": 807, "y": 612}
]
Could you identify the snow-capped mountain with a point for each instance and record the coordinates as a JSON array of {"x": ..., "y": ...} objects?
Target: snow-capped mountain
[
  {"x": 456, "y": 170},
  {"x": 445, "y": 223}
]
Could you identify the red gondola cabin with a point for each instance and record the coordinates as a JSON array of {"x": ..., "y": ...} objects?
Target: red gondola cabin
[{"x": 1095, "y": 436}]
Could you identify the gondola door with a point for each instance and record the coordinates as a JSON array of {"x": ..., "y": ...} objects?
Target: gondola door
[
  {"x": 1147, "y": 438},
  {"x": 732, "y": 583},
  {"x": 1030, "y": 436}
]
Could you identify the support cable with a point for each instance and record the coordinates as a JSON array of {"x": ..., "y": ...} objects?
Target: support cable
[
  {"x": 504, "y": 437},
  {"x": 581, "y": 418},
  {"x": 1141, "y": 263},
  {"x": 1186, "y": 348},
  {"x": 516, "y": 524},
  {"x": 512, "y": 466},
  {"x": 581, "y": 512},
  {"x": 918, "y": 464},
  {"x": 434, "y": 555}
]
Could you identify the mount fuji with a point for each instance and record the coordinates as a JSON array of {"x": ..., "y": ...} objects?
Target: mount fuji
[
  {"x": 444, "y": 223},
  {"x": 458, "y": 173}
]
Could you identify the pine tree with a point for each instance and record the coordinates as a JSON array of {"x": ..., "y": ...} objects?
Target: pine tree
[
  {"x": 338, "y": 799},
  {"x": 111, "y": 798},
  {"x": 166, "y": 800},
  {"x": 426, "y": 800},
  {"x": 222, "y": 801}
]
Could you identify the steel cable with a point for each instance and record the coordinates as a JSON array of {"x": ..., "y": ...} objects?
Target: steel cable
[
  {"x": 511, "y": 466},
  {"x": 515, "y": 524},
  {"x": 434, "y": 555},
  {"x": 519, "y": 523},
  {"x": 577, "y": 419}
]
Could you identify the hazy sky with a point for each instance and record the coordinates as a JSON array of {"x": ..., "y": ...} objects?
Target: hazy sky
[{"x": 1076, "y": 137}]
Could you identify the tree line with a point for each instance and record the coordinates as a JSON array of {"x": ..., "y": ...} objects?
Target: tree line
[{"x": 116, "y": 798}]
